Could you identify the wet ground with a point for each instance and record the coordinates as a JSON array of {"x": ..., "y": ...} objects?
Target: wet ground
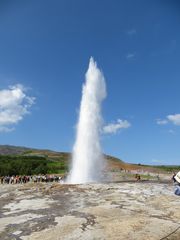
[{"x": 110, "y": 211}]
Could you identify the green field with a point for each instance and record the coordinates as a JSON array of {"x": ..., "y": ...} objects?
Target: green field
[{"x": 31, "y": 165}]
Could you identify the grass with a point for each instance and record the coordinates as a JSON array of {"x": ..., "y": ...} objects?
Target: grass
[
  {"x": 30, "y": 165},
  {"x": 168, "y": 168},
  {"x": 57, "y": 167}
]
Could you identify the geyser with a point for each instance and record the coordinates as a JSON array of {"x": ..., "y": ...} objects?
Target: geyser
[{"x": 87, "y": 158}]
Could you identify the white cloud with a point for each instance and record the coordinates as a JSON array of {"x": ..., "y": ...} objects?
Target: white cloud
[
  {"x": 130, "y": 55},
  {"x": 161, "y": 121},
  {"x": 175, "y": 119},
  {"x": 14, "y": 104},
  {"x": 131, "y": 32},
  {"x": 114, "y": 127}
]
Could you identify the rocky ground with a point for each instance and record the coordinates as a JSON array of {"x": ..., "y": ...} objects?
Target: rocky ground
[{"x": 124, "y": 210}]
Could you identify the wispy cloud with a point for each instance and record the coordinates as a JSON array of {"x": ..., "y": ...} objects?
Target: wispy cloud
[
  {"x": 114, "y": 127},
  {"x": 130, "y": 56},
  {"x": 171, "y": 131},
  {"x": 174, "y": 119},
  {"x": 14, "y": 105},
  {"x": 156, "y": 161},
  {"x": 6, "y": 129},
  {"x": 131, "y": 32},
  {"x": 161, "y": 121}
]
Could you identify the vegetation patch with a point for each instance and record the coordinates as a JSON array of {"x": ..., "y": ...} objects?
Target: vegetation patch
[{"x": 30, "y": 165}]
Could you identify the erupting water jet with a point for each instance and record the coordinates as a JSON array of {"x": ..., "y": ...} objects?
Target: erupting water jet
[{"x": 87, "y": 157}]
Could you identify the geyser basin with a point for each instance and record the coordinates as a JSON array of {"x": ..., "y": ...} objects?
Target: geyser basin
[{"x": 87, "y": 157}]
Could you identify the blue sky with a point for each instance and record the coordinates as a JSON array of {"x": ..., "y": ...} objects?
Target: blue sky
[{"x": 45, "y": 47}]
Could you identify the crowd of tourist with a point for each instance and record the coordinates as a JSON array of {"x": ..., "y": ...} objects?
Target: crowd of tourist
[{"x": 26, "y": 179}]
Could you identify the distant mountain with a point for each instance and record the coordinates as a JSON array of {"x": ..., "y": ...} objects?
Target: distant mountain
[
  {"x": 12, "y": 150},
  {"x": 25, "y": 151}
]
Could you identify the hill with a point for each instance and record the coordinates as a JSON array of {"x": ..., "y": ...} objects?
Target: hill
[{"x": 23, "y": 160}]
